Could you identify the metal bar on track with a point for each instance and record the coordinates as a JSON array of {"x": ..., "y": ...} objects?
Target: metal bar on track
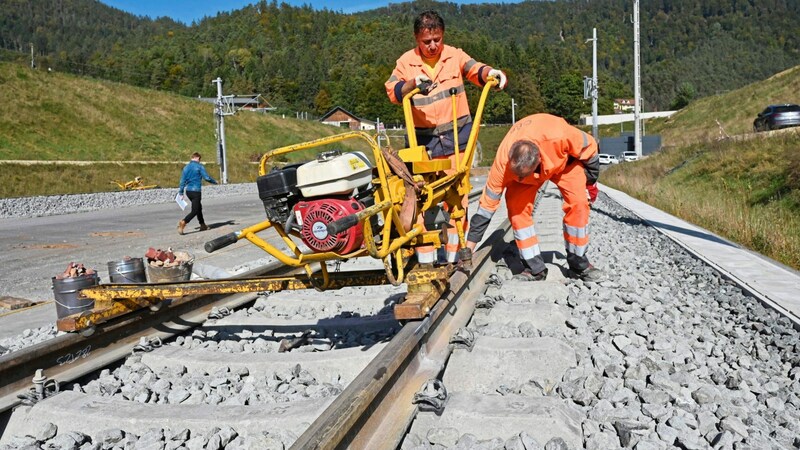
[
  {"x": 70, "y": 356},
  {"x": 336, "y": 280}
]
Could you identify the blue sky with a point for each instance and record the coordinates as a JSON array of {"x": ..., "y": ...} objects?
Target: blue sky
[{"x": 188, "y": 10}]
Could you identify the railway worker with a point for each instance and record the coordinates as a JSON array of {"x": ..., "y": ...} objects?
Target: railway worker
[
  {"x": 538, "y": 148},
  {"x": 442, "y": 67},
  {"x": 192, "y": 181}
]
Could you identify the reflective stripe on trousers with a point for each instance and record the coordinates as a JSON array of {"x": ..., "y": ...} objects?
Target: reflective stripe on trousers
[
  {"x": 452, "y": 247},
  {"x": 572, "y": 184}
]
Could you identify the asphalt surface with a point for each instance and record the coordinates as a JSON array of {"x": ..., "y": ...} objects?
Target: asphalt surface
[{"x": 37, "y": 249}]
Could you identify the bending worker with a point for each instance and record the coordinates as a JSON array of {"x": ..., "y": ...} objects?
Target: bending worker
[
  {"x": 441, "y": 67},
  {"x": 538, "y": 148}
]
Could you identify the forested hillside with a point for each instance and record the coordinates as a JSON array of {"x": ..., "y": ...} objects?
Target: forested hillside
[{"x": 304, "y": 59}]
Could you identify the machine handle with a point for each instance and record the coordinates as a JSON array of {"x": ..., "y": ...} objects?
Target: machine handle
[
  {"x": 345, "y": 223},
  {"x": 221, "y": 242}
]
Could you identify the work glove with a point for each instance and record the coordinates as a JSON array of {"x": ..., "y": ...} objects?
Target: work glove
[
  {"x": 424, "y": 83},
  {"x": 500, "y": 76},
  {"x": 591, "y": 190},
  {"x": 421, "y": 78}
]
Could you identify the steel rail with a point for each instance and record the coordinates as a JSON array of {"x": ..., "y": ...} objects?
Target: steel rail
[{"x": 375, "y": 409}]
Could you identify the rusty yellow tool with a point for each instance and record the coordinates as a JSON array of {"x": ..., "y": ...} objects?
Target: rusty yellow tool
[{"x": 137, "y": 184}]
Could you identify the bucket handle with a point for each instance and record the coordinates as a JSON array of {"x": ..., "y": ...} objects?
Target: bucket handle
[{"x": 68, "y": 307}]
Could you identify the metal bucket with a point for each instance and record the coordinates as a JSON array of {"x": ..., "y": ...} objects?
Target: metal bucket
[
  {"x": 181, "y": 272},
  {"x": 127, "y": 271},
  {"x": 66, "y": 290}
]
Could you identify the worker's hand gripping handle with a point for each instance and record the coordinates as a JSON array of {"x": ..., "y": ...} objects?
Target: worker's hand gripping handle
[
  {"x": 221, "y": 242},
  {"x": 345, "y": 223}
]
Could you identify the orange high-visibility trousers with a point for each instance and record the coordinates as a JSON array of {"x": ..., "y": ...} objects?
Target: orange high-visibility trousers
[
  {"x": 520, "y": 199},
  {"x": 427, "y": 253}
]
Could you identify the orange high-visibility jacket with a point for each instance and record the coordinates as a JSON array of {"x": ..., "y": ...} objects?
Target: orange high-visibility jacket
[
  {"x": 433, "y": 113},
  {"x": 558, "y": 142}
]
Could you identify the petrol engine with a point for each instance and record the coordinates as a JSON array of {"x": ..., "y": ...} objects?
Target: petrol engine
[{"x": 307, "y": 197}]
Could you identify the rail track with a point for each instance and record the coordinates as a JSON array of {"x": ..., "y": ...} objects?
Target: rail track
[
  {"x": 667, "y": 353},
  {"x": 69, "y": 357}
]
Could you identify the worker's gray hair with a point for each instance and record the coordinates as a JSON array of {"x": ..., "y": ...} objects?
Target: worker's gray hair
[
  {"x": 428, "y": 20},
  {"x": 524, "y": 156}
]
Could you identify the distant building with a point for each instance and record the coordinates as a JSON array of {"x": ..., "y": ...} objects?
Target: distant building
[
  {"x": 623, "y": 105},
  {"x": 340, "y": 117},
  {"x": 625, "y": 143}
]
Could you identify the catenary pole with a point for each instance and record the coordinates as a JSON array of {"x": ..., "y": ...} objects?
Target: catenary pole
[
  {"x": 219, "y": 112},
  {"x": 513, "y": 105},
  {"x": 594, "y": 84},
  {"x": 637, "y": 87}
]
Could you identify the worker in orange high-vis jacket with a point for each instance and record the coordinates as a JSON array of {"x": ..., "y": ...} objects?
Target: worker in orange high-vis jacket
[
  {"x": 538, "y": 148},
  {"x": 437, "y": 68}
]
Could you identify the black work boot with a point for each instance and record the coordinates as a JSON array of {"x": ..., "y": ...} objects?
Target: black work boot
[
  {"x": 528, "y": 275},
  {"x": 592, "y": 275}
]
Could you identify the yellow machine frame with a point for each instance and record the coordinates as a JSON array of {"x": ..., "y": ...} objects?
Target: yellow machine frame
[
  {"x": 394, "y": 248},
  {"x": 389, "y": 194}
]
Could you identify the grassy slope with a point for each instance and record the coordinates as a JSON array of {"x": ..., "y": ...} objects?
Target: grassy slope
[
  {"x": 747, "y": 190},
  {"x": 735, "y": 110},
  {"x": 53, "y": 116}
]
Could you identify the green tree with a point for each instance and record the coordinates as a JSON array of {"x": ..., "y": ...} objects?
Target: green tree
[{"x": 685, "y": 94}]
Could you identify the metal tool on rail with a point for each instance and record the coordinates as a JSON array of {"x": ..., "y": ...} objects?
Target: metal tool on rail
[{"x": 340, "y": 206}]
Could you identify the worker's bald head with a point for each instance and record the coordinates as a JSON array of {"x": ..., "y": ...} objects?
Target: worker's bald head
[{"x": 523, "y": 158}]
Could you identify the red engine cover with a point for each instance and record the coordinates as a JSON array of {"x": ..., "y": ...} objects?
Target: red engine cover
[{"x": 314, "y": 216}]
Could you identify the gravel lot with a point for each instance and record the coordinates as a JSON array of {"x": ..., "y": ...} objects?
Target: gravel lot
[{"x": 52, "y": 205}]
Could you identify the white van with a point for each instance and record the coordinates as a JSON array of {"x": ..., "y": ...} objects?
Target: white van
[
  {"x": 605, "y": 158},
  {"x": 630, "y": 156}
]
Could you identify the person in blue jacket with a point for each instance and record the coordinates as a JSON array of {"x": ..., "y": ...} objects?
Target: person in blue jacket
[{"x": 192, "y": 180}]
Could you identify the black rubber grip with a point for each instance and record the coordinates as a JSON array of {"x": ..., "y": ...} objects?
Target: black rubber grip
[
  {"x": 220, "y": 242},
  {"x": 345, "y": 223}
]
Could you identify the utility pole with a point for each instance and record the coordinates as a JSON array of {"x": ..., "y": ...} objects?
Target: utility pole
[
  {"x": 220, "y": 113},
  {"x": 513, "y": 105},
  {"x": 637, "y": 87},
  {"x": 593, "y": 88}
]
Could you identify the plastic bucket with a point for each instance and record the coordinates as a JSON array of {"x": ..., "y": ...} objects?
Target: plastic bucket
[
  {"x": 66, "y": 290},
  {"x": 127, "y": 271},
  {"x": 181, "y": 272}
]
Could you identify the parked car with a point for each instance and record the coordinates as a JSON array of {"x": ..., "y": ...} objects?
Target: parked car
[
  {"x": 605, "y": 158},
  {"x": 774, "y": 117},
  {"x": 630, "y": 156}
]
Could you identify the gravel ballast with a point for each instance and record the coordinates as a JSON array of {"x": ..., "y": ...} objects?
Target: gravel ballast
[{"x": 670, "y": 353}]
